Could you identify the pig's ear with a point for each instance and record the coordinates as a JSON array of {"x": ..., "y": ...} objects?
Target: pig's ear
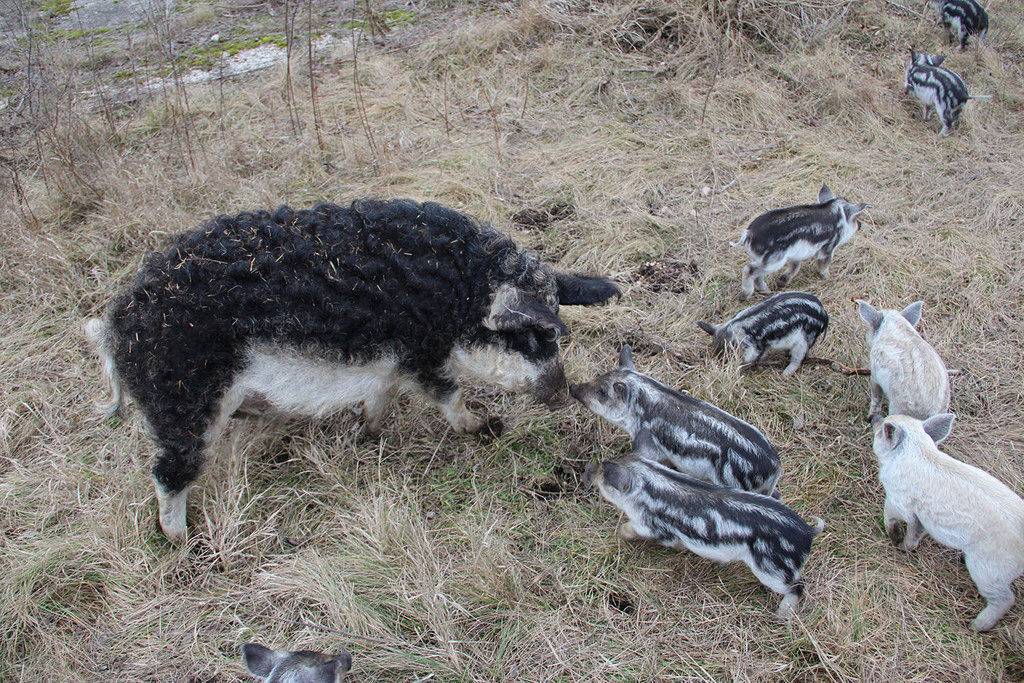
[
  {"x": 855, "y": 209},
  {"x": 584, "y": 290},
  {"x": 707, "y": 327},
  {"x": 260, "y": 660},
  {"x": 913, "y": 312},
  {"x": 893, "y": 434},
  {"x": 626, "y": 358},
  {"x": 617, "y": 477},
  {"x": 825, "y": 194},
  {"x": 869, "y": 314},
  {"x": 939, "y": 426},
  {"x": 936, "y": 60},
  {"x": 341, "y": 664},
  {"x": 514, "y": 310}
]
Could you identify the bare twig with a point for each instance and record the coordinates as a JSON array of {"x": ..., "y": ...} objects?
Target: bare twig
[{"x": 317, "y": 123}]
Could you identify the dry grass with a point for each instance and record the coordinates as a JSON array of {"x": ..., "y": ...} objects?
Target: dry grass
[{"x": 439, "y": 556}]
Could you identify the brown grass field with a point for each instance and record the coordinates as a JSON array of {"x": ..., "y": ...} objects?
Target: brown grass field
[{"x": 639, "y": 138}]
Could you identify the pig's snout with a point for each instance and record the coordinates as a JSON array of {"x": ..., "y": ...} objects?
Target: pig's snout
[{"x": 551, "y": 389}]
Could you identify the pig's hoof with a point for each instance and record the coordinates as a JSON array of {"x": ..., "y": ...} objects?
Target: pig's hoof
[
  {"x": 491, "y": 428},
  {"x": 368, "y": 434}
]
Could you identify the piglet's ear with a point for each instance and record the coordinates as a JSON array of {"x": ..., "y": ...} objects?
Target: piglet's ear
[
  {"x": 913, "y": 312},
  {"x": 893, "y": 434},
  {"x": 707, "y": 327},
  {"x": 937, "y": 59},
  {"x": 939, "y": 426},
  {"x": 617, "y": 477},
  {"x": 626, "y": 358},
  {"x": 825, "y": 194},
  {"x": 869, "y": 314},
  {"x": 259, "y": 660},
  {"x": 584, "y": 290}
]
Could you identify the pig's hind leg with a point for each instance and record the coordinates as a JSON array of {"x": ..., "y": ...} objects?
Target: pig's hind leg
[
  {"x": 994, "y": 586},
  {"x": 751, "y": 275},
  {"x": 797, "y": 352},
  {"x": 791, "y": 591}
]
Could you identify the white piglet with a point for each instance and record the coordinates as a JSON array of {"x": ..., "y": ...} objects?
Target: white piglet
[
  {"x": 904, "y": 367},
  {"x": 957, "y": 504}
]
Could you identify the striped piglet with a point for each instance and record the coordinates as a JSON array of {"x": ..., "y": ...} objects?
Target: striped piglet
[
  {"x": 299, "y": 666},
  {"x": 678, "y": 430},
  {"x": 788, "y": 237},
  {"x": 714, "y": 522},
  {"x": 791, "y": 322},
  {"x": 962, "y": 19},
  {"x": 938, "y": 88}
]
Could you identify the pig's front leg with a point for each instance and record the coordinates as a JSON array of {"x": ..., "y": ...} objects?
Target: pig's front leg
[
  {"x": 646, "y": 446},
  {"x": 875, "y": 409},
  {"x": 374, "y": 409},
  {"x": 448, "y": 396},
  {"x": 629, "y": 532},
  {"x": 915, "y": 532},
  {"x": 891, "y": 517}
]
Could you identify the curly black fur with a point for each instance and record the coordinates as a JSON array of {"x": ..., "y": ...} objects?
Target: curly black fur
[{"x": 351, "y": 283}]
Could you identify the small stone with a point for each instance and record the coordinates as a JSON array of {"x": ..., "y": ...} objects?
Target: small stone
[{"x": 705, "y": 190}]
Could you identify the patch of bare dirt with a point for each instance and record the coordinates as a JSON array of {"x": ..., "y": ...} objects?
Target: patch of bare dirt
[{"x": 667, "y": 275}]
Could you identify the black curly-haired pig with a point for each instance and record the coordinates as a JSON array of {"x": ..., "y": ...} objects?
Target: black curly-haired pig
[{"x": 314, "y": 311}]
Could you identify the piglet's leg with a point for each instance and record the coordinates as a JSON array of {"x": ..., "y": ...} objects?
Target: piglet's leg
[
  {"x": 875, "y": 409},
  {"x": 892, "y": 519},
  {"x": 629, "y": 532},
  {"x": 747, "y": 284},
  {"x": 824, "y": 261},
  {"x": 994, "y": 585},
  {"x": 796, "y": 357},
  {"x": 915, "y": 532},
  {"x": 792, "y": 268},
  {"x": 760, "y": 283}
]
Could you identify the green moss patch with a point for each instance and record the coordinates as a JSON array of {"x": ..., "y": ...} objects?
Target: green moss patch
[{"x": 206, "y": 56}]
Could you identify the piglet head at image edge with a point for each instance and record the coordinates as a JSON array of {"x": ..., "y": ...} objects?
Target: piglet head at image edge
[{"x": 298, "y": 666}]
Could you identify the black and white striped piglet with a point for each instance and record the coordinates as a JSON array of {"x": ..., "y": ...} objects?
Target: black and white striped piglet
[
  {"x": 962, "y": 19},
  {"x": 790, "y": 322},
  {"x": 681, "y": 431},
  {"x": 938, "y": 88},
  {"x": 298, "y": 666},
  {"x": 714, "y": 522},
  {"x": 785, "y": 238}
]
